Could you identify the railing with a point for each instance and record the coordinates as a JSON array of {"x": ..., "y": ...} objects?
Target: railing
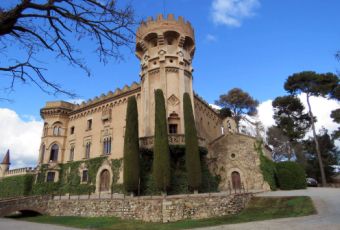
[{"x": 174, "y": 139}]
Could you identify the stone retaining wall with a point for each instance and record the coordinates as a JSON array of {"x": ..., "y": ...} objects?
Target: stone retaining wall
[{"x": 152, "y": 209}]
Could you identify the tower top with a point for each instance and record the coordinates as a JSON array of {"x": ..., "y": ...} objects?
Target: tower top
[
  {"x": 161, "y": 25},
  {"x": 6, "y": 160}
]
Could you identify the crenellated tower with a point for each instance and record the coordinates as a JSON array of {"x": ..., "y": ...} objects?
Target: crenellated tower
[{"x": 165, "y": 48}]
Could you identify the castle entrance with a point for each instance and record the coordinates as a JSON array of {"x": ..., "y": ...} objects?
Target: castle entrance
[
  {"x": 104, "y": 180},
  {"x": 236, "y": 180}
]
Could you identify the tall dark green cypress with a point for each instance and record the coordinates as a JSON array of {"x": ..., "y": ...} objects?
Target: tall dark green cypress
[
  {"x": 192, "y": 156},
  {"x": 131, "y": 147},
  {"x": 161, "y": 157}
]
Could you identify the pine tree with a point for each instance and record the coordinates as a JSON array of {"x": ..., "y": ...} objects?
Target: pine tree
[
  {"x": 192, "y": 157},
  {"x": 161, "y": 160},
  {"x": 131, "y": 147}
]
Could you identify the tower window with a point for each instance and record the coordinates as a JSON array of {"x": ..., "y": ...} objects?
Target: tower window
[
  {"x": 54, "y": 152},
  {"x": 172, "y": 128},
  {"x": 89, "y": 124},
  {"x": 72, "y": 130}
]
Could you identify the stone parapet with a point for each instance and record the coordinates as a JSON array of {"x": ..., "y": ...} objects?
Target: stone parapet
[
  {"x": 174, "y": 139},
  {"x": 19, "y": 171}
]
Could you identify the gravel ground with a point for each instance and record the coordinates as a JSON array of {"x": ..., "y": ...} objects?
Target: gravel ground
[{"x": 326, "y": 201}]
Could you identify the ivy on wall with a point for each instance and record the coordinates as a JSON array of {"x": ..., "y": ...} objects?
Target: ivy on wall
[
  {"x": 179, "y": 180},
  {"x": 16, "y": 186},
  {"x": 267, "y": 166}
]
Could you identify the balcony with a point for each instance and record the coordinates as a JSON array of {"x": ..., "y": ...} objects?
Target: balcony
[{"x": 174, "y": 139}]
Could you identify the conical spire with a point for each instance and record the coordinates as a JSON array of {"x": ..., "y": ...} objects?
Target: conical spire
[{"x": 6, "y": 160}]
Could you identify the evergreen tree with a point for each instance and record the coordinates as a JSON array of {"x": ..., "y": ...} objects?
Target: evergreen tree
[
  {"x": 313, "y": 84},
  {"x": 240, "y": 103},
  {"x": 161, "y": 159},
  {"x": 131, "y": 147},
  {"x": 192, "y": 156}
]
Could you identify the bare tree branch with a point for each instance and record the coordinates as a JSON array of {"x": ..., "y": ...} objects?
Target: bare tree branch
[{"x": 56, "y": 26}]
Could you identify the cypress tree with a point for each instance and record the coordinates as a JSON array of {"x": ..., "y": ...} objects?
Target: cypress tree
[
  {"x": 131, "y": 147},
  {"x": 161, "y": 157},
  {"x": 192, "y": 156}
]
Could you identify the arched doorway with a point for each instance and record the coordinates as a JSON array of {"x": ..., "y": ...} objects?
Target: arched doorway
[
  {"x": 104, "y": 180},
  {"x": 236, "y": 180}
]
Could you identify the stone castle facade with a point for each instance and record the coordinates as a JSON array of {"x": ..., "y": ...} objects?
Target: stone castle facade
[{"x": 165, "y": 48}]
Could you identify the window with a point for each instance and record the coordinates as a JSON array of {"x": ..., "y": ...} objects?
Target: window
[
  {"x": 56, "y": 130},
  {"x": 50, "y": 176},
  {"x": 85, "y": 176},
  {"x": 42, "y": 156},
  {"x": 87, "y": 150},
  {"x": 89, "y": 124},
  {"x": 72, "y": 130},
  {"x": 45, "y": 129},
  {"x": 71, "y": 153},
  {"x": 54, "y": 152},
  {"x": 172, "y": 128},
  {"x": 107, "y": 145}
]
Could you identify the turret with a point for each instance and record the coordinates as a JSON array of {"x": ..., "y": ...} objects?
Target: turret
[
  {"x": 4, "y": 166},
  {"x": 165, "y": 48}
]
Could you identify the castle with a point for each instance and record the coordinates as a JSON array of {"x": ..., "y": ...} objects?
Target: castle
[{"x": 76, "y": 132}]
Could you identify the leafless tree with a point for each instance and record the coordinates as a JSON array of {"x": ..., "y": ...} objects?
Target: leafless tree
[{"x": 56, "y": 26}]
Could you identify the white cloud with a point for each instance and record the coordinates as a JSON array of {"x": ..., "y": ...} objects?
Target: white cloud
[
  {"x": 21, "y": 136},
  {"x": 321, "y": 108},
  {"x": 232, "y": 12},
  {"x": 210, "y": 38}
]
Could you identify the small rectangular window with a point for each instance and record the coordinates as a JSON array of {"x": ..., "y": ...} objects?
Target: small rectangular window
[
  {"x": 72, "y": 130},
  {"x": 50, "y": 176},
  {"x": 172, "y": 128},
  {"x": 89, "y": 124},
  {"x": 72, "y": 153},
  {"x": 85, "y": 176},
  {"x": 87, "y": 150}
]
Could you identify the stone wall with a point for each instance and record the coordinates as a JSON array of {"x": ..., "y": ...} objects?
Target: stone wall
[
  {"x": 152, "y": 209},
  {"x": 236, "y": 153}
]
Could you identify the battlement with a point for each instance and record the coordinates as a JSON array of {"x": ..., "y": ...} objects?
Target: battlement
[{"x": 161, "y": 24}]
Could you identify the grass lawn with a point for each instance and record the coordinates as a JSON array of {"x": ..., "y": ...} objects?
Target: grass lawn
[{"x": 259, "y": 208}]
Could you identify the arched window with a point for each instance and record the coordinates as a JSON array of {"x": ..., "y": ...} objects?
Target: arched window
[
  {"x": 54, "y": 152},
  {"x": 72, "y": 153},
  {"x": 87, "y": 150},
  {"x": 57, "y": 130},
  {"x": 107, "y": 145},
  {"x": 42, "y": 153}
]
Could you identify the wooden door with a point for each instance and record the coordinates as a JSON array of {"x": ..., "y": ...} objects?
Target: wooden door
[
  {"x": 236, "y": 180},
  {"x": 105, "y": 180}
]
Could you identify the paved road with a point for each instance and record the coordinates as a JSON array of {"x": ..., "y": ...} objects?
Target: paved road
[
  {"x": 9, "y": 224},
  {"x": 326, "y": 201}
]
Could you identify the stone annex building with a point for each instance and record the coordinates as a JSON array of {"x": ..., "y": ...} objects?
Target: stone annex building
[{"x": 165, "y": 48}]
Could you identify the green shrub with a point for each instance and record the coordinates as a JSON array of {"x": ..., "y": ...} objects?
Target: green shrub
[
  {"x": 290, "y": 175},
  {"x": 16, "y": 186},
  {"x": 131, "y": 147},
  {"x": 161, "y": 164},
  {"x": 192, "y": 156},
  {"x": 267, "y": 166}
]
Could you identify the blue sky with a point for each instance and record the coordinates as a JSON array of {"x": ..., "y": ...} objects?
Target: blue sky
[
  {"x": 274, "y": 39},
  {"x": 251, "y": 44}
]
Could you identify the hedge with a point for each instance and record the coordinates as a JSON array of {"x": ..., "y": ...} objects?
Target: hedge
[
  {"x": 16, "y": 186},
  {"x": 290, "y": 175}
]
